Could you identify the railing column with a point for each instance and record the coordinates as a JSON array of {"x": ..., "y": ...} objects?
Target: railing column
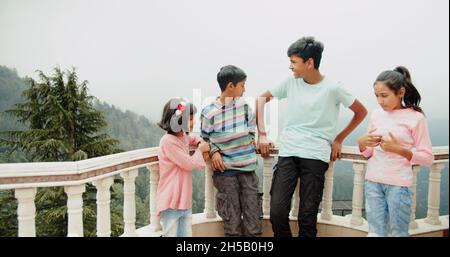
[
  {"x": 413, "y": 222},
  {"x": 295, "y": 201},
  {"x": 129, "y": 202},
  {"x": 103, "y": 206},
  {"x": 434, "y": 194},
  {"x": 267, "y": 177},
  {"x": 327, "y": 199},
  {"x": 26, "y": 211},
  {"x": 154, "y": 179},
  {"x": 75, "y": 210},
  {"x": 358, "y": 193},
  {"x": 209, "y": 192}
]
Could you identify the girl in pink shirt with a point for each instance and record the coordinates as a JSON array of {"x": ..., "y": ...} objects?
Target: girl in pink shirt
[
  {"x": 174, "y": 194},
  {"x": 398, "y": 138}
]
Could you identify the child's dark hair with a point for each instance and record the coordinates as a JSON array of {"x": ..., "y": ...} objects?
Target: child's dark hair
[
  {"x": 398, "y": 78},
  {"x": 305, "y": 48},
  {"x": 174, "y": 122},
  {"x": 230, "y": 73}
]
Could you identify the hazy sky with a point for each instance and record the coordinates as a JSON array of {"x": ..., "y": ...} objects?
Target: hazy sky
[{"x": 138, "y": 54}]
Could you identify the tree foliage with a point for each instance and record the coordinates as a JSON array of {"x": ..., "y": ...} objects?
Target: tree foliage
[
  {"x": 62, "y": 125},
  {"x": 62, "y": 122}
]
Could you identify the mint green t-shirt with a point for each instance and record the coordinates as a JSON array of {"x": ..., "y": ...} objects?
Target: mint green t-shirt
[{"x": 312, "y": 114}]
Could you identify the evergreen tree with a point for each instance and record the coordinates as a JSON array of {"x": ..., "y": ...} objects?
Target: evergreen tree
[{"x": 62, "y": 125}]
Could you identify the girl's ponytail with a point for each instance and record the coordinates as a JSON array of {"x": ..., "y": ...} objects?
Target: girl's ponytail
[{"x": 412, "y": 97}]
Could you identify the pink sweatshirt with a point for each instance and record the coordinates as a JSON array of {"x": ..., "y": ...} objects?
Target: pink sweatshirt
[
  {"x": 411, "y": 129},
  {"x": 175, "y": 171}
]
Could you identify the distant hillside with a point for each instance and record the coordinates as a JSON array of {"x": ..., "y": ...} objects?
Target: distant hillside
[
  {"x": 11, "y": 87},
  {"x": 132, "y": 130}
]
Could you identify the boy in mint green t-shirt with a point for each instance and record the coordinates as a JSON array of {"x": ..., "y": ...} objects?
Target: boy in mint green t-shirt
[{"x": 308, "y": 141}]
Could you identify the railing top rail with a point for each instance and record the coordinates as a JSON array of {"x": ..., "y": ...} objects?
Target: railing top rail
[{"x": 14, "y": 175}]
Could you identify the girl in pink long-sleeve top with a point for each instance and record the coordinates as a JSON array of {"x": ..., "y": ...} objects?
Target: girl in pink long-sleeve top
[
  {"x": 398, "y": 138},
  {"x": 174, "y": 194}
]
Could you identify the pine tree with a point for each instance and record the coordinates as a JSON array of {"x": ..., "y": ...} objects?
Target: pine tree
[{"x": 62, "y": 125}]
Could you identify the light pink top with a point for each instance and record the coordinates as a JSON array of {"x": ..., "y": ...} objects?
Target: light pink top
[
  {"x": 411, "y": 129},
  {"x": 175, "y": 171}
]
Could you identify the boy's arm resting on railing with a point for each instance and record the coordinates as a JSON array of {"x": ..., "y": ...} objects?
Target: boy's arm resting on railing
[{"x": 263, "y": 143}]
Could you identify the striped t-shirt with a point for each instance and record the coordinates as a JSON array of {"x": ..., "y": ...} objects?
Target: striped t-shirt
[{"x": 230, "y": 129}]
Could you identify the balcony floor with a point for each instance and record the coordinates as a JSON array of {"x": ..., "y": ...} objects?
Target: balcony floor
[{"x": 339, "y": 226}]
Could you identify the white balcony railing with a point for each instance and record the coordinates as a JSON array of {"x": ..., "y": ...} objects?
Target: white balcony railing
[{"x": 25, "y": 178}]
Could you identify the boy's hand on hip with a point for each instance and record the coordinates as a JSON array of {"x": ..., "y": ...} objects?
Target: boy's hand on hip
[
  {"x": 336, "y": 148},
  {"x": 217, "y": 162}
]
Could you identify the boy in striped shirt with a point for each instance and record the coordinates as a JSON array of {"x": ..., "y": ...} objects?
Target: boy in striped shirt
[{"x": 228, "y": 124}]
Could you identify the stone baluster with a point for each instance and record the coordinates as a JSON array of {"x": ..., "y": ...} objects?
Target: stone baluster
[
  {"x": 103, "y": 206},
  {"x": 327, "y": 199},
  {"x": 358, "y": 193},
  {"x": 434, "y": 194},
  {"x": 154, "y": 179},
  {"x": 210, "y": 210},
  {"x": 75, "y": 210},
  {"x": 129, "y": 202},
  {"x": 26, "y": 211},
  {"x": 267, "y": 183}
]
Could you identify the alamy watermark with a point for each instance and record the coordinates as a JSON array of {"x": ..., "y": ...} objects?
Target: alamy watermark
[{"x": 200, "y": 101}]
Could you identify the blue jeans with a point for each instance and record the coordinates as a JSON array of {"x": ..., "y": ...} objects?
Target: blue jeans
[
  {"x": 177, "y": 222},
  {"x": 388, "y": 203}
]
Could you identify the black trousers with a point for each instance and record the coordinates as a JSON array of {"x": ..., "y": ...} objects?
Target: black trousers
[{"x": 312, "y": 177}]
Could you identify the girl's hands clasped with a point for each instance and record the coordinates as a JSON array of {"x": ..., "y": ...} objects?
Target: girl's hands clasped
[{"x": 369, "y": 140}]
